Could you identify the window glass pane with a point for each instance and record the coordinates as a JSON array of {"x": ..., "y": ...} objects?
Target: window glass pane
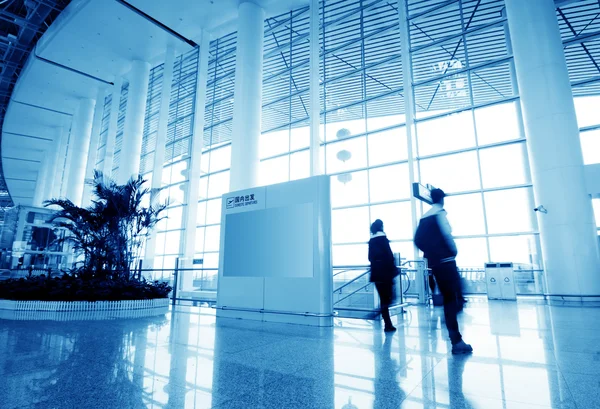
[
  {"x": 346, "y": 155},
  {"x": 168, "y": 264},
  {"x": 471, "y": 253},
  {"x": 300, "y": 138},
  {"x": 158, "y": 265},
  {"x": 201, "y": 214},
  {"x": 274, "y": 171},
  {"x": 300, "y": 165},
  {"x": 596, "y": 205},
  {"x": 220, "y": 159},
  {"x": 590, "y": 146},
  {"x": 387, "y": 146},
  {"x": 213, "y": 211},
  {"x": 218, "y": 184},
  {"x": 514, "y": 249},
  {"x": 503, "y": 166},
  {"x": 205, "y": 163},
  {"x": 179, "y": 172},
  {"x": 509, "y": 211},
  {"x": 497, "y": 123},
  {"x": 587, "y": 110},
  {"x": 166, "y": 176},
  {"x": 343, "y": 129},
  {"x": 380, "y": 122},
  {"x": 397, "y": 220},
  {"x": 175, "y": 195},
  {"x": 350, "y": 225},
  {"x": 203, "y": 189},
  {"x": 389, "y": 183},
  {"x": 349, "y": 189},
  {"x": 211, "y": 260},
  {"x": 465, "y": 214},
  {"x": 172, "y": 240},
  {"x": 274, "y": 143},
  {"x": 160, "y": 243},
  {"x": 175, "y": 218},
  {"x": 405, "y": 248},
  {"x": 212, "y": 240},
  {"x": 350, "y": 255},
  {"x": 199, "y": 244},
  {"x": 452, "y": 173},
  {"x": 449, "y": 133}
]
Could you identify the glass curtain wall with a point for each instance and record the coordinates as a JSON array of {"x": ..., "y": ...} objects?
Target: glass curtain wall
[
  {"x": 362, "y": 105},
  {"x": 579, "y": 25},
  {"x": 175, "y": 176},
  {"x": 151, "y": 118},
  {"x": 103, "y": 132},
  {"x": 120, "y": 126},
  {"x": 469, "y": 134},
  {"x": 216, "y": 156},
  {"x": 285, "y": 138}
]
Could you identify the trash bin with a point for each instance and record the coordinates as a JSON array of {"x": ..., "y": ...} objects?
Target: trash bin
[{"x": 500, "y": 281}]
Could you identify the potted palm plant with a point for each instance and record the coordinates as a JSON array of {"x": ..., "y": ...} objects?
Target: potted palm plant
[{"x": 106, "y": 239}]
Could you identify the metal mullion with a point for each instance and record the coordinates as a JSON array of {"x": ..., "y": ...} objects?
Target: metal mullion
[
  {"x": 498, "y": 61},
  {"x": 492, "y": 189},
  {"x": 429, "y": 11},
  {"x": 352, "y": 42},
  {"x": 398, "y": 91},
  {"x": 357, "y": 206},
  {"x": 464, "y": 150},
  {"x": 493, "y": 235},
  {"x": 462, "y": 109},
  {"x": 362, "y": 169},
  {"x": 364, "y": 68}
]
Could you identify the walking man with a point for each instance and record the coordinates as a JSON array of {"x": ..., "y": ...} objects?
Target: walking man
[{"x": 434, "y": 239}]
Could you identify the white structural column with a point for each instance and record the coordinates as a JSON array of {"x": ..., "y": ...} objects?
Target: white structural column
[
  {"x": 159, "y": 151},
  {"x": 568, "y": 231},
  {"x": 133, "y": 131},
  {"x": 79, "y": 145},
  {"x": 40, "y": 185},
  {"x": 409, "y": 104},
  {"x": 64, "y": 180},
  {"x": 53, "y": 154},
  {"x": 111, "y": 135},
  {"x": 247, "y": 106},
  {"x": 315, "y": 105},
  {"x": 60, "y": 161},
  {"x": 93, "y": 148},
  {"x": 189, "y": 241}
]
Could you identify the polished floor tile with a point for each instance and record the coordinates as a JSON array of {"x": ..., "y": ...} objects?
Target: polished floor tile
[{"x": 527, "y": 355}]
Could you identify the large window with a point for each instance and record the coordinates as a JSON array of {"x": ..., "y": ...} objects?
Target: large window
[
  {"x": 103, "y": 132},
  {"x": 175, "y": 174},
  {"x": 469, "y": 138},
  {"x": 363, "y": 112},
  {"x": 579, "y": 23},
  {"x": 120, "y": 127},
  {"x": 285, "y": 137},
  {"x": 216, "y": 154}
]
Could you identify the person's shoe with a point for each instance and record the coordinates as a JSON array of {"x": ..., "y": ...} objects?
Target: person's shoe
[
  {"x": 462, "y": 348},
  {"x": 389, "y": 328}
]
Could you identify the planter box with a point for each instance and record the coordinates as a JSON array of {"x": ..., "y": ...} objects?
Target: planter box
[{"x": 82, "y": 310}]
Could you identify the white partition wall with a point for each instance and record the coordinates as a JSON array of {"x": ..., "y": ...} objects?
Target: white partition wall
[{"x": 275, "y": 263}]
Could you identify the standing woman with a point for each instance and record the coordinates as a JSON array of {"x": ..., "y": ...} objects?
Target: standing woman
[{"x": 383, "y": 270}]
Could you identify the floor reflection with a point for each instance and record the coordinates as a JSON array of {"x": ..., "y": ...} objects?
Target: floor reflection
[{"x": 527, "y": 355}]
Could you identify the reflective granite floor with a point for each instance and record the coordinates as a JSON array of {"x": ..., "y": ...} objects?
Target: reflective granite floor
[{"x": 526, "y": 356}]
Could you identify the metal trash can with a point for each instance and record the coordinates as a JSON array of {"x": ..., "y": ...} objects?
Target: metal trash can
[{"x": 500, "y": 281}]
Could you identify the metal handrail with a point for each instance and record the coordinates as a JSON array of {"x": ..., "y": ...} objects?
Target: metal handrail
[
  {"x": 352, "y": 281},
  {"x": 352, "y": 293}
]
